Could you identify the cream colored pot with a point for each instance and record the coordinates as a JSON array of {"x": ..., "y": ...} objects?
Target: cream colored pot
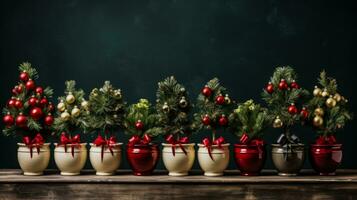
[
  {"x": 220, "y": 160},
  {"x": 38, "y": 163},
  {"x": 71, "y": 165},
  {"x": 180, "y": 164},
  {"x": 110, "y": 162}
]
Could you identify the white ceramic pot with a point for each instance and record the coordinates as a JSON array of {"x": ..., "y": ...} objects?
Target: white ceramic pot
[
  {"x": 38, "y": 163},
  {"x": 180, "y": 164},
  {"x": 220, "y": 160},
  {"x": 110, "y": 162},
  {"x": 70, "y": 165}
]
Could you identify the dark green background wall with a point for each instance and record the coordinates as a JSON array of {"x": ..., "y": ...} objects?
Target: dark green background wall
[{"x": 137, "y": 43}]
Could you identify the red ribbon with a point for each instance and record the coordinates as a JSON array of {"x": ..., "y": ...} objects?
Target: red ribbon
[
  {"x": 321, "y": 140},
  {"x": 137, "y": 140},
  {"x": 258, "y": 142},
  {"x": 110, "y": 143},
  {"x": 37, "y": 142},
  {"x": 66, "y": 139},
  {"x": 207, "y": 143},
  {"x": 171, "y": 140}
]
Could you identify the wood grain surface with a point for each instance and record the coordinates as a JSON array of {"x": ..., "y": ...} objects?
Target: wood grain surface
[{"x": 125, "y": 186}]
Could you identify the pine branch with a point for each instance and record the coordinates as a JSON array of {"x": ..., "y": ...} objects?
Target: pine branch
[{"x": 335, "y": 116}]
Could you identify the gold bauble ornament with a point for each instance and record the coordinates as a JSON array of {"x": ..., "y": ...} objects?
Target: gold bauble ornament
[
  {"x": 325, "y": 93},
  {"x": 277, "y": 122},
  {"x": 183, "y": 102},
  {"x": 337, "y": 97},
  {"x": 319, "y": 112},
  {"x": 330, "y": 102},
  {"x": 75, "y": 111},
  {"x": 61, "y": 107},
  {"x": 65, "y": 115},
  {"x": 85, "y": 104},
  {"x": 318, "y": 121},
  {"x": 317, "y": 91},
  {"x": 165, "y": 107},
  {"x": 227, "y": 99},
  {"x": 70, "y": 98}
]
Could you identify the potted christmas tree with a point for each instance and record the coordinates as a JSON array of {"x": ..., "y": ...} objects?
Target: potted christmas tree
[
  {"x": 283, "y": 96},
  {"x": 106, "y": 108},
  {"x": 330, "y": 114},
  {"x": 214, "y": 106},
  {"x": 70, "y": 153},
  {"x": 29, "y": 114},
  {"x": 141, "y": 123},
  {"x": 247, "y": 122},
  {"x": 173, "y": 108}
]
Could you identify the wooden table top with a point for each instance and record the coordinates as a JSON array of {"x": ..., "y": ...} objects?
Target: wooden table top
[{"x": 124, "y": 176}]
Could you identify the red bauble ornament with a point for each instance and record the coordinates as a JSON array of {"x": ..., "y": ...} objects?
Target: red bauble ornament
[
  {"x": 33, "y": 101},
  {"x": 206, "y": 91},
  {"x": 11, "y": 103},
  {"x": 294, "y": 85},
  {"x": 269, "y": 88},
  {"x": 8, "y": 119},
  {"x": 30, "y": 85},
  {"x": 18, "y": 104},
  {"x": 44, "y": 102},
  {"x": 292, "y": 109},
  {"x": 21, "y": 120},
  {"x": 50, "y": 107},
  {"x": 283, "y": 85},
  {"x": 304, "y": 113},
  {"x": 206, "y": 120},
  {"x": 14, "y": 91},
  {"x": 49, "y": 120},
  {"x": 139, "y": 125},
  {"x": 24, "y": 76},
  {"x": 220, "y": 99},
  {"x": 19, "y": 89},
  {"x": 39, "y": 90},
  {"x": 223, "y": 121},
  {"x": 36, "y": 113}
]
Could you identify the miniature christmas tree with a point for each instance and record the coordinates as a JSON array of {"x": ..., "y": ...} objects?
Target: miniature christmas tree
[
  {"x": 141, "y": 122},
  {"x": 214, "y": 106},
  {"x": 248, "y": 121},
  {"x": 173, "y": 108},
  {"x": 107, "y": 109},
  {"x": 71, "y": 113},
  {"x": 29, "y": 113},
  {"x": 283, "y": 96},
  {"x": 330, "y": 109}
]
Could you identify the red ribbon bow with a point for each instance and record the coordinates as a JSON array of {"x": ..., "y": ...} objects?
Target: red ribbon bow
[
  {"x": 326, "y": 140},
  {"x": 137, "y": 140},
  {"x": 258, "y": 142},
  {"x": 37, "y": 142},
  {"x": 207, "y": 143},
  {"x": 110, "y": 143},
  {"x": 74, "y": 141},
  {"x": 171, "y": 140}
]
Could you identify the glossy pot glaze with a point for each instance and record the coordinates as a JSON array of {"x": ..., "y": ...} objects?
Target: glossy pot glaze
[
  {"x": 220, "y": 160},
  {"x": 180, "y": 163},
  {"x": 38, "y": 163},
  {"x": 250, "y": 159},
  {"x": 142, "y": 158},
  {"x": 325, "y": 158},
  {"x": 69, "y": 164},
  {"x": 288, "y": 161},
  {"x": 110, "y": 162}
]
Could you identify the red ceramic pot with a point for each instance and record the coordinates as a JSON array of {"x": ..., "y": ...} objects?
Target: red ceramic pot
[
  {"x": 325, "y": 158},
  {"x": 250, "y": 159},
  {"x": 142, "y": 158}
]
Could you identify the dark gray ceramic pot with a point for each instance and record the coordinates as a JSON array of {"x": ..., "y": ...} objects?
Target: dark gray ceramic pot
[{"x": 288, "y": 161}]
